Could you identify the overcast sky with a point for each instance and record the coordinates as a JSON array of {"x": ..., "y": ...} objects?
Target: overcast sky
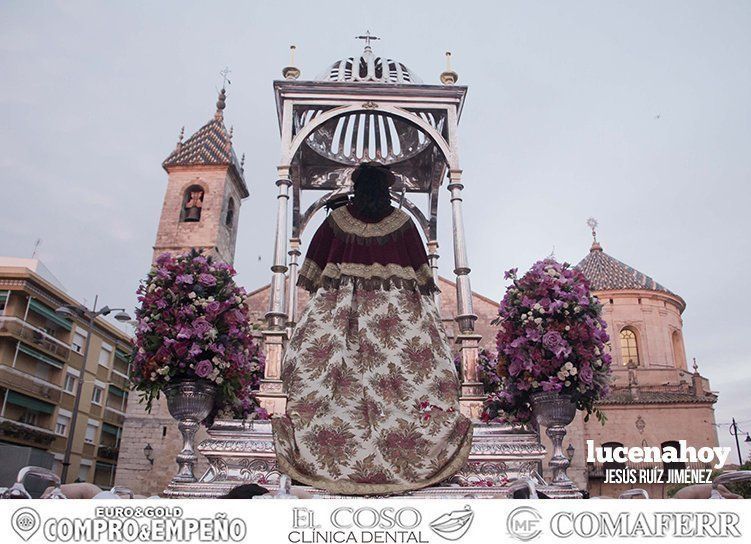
[{"x": 637, "y": 113}]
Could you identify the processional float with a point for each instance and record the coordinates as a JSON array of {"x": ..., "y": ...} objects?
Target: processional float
[{"x": 367, "y": 108}]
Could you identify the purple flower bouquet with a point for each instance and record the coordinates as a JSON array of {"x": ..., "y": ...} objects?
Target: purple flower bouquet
[
  {"x": 193, "y": 324},
  {"x": 551, "y": 338}
]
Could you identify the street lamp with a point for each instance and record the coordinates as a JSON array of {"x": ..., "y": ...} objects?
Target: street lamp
[
  {"x": 71, "y": 311},
  {"x": 735, "y": 431},
  {"x": 570, "y": 451}
]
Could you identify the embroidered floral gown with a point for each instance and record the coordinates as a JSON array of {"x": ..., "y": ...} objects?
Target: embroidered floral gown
[{"x": 373, "y": 397}]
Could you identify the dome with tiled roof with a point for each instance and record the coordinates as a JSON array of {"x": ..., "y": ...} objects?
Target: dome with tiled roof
[{"x": 606, "y": 273}]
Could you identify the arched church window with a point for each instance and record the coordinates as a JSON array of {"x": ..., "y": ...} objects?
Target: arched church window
[
  {"x": 192, "y": 204},
  {"x": 230, "y": 217},
  {"x": 678, "y": 353},
  {"x": 629, "y": 347}
]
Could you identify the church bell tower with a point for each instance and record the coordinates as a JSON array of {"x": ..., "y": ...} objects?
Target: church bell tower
[{"x": 205, "y": 187}]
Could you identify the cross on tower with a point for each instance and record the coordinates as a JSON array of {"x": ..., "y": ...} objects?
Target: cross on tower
[
  {"x": 225, "y": 80},
  {"x": 367, "y": 37},
  {"x": 592, "y": 224}
]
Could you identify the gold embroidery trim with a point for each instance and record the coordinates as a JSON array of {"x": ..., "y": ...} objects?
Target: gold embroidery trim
[
  {"x": 351, "y": 225},
  {"x": 313, "y": 273},
  {"x": 385, "y": 271}
]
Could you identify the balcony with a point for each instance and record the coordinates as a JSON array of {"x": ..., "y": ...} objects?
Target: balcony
[
  {"x": 108, "y": 452},
  {"x": 15, "y": 431},
  {"x": 28, "y": 384},
  {"x": 119, "y": 380},
  {"x": 39, "y": 339},
  {"x": 114, "y": 416}
]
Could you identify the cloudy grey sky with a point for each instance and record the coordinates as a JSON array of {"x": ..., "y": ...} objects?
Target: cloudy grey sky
[{"x": 635, "y": 112}]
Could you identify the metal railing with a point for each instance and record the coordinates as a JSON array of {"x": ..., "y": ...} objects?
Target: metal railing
[{"x": 30, "y": 334}]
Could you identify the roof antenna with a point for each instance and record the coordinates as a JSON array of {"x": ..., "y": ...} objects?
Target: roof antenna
[{"x": 36, "y": 247}]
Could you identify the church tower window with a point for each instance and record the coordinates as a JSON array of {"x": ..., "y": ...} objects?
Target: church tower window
[
  {"x": 192, "y": 204},
  {"x": 230, "y": 217},
  {"x": 678, "y": 353},
  {"x": 629, "y": 347}
]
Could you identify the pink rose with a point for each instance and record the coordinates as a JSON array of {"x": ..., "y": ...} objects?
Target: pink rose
[{"x": 204, "y": 368}]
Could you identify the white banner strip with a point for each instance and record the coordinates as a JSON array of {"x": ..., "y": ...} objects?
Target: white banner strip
[{"x": 373, "y": 521}]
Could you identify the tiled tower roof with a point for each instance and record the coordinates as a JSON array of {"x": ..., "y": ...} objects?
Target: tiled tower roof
[
  {"x": 210, "y": 145},
  {"x": 606, "y": 273}
]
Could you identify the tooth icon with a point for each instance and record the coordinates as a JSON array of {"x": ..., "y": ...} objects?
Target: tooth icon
[{"x": 454, "y": 525}]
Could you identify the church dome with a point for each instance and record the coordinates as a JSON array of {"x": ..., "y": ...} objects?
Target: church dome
[
  {"x": 368, "y": 68},
  {"x": 606, "y": 273}
]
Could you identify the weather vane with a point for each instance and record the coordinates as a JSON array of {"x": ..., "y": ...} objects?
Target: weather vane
[
  {"x": 592, "y": 224},
  {"x": 367, "y": 37},
  {"x": 225, "y": 80}
]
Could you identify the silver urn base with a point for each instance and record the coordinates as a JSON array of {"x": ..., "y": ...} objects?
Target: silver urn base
[
  {"x": 555, "y": 411},
  {"x": 189, "y": 402}
]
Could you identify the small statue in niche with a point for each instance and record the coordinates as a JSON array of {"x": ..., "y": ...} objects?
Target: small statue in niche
[{"x": 193, "y": 205}]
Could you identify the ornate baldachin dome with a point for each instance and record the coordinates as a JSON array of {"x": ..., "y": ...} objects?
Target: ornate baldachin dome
[
  {"x": 351, "y": 139},
  {"x": 367, "y": 68}
]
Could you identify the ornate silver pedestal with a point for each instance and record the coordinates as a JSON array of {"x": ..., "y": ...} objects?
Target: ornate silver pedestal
[
  {"x": 554, "y": 411},
  {"x": 189, "y": 402},
  {"x": 241, "y": 452}
]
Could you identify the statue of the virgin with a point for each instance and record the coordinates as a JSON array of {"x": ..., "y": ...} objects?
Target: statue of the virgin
[{"x": 373, "y": 394}]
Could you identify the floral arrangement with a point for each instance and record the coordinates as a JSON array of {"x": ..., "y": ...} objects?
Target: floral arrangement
[
  {"x": 551, "y": 338},
  {"x": 193, "y": 323}
]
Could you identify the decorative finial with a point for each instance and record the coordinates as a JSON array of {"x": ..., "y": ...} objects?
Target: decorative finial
[
  {"x": 696, "y": 367},
  {"x": 180, "y": 137},
  {"x": 221, "y": 103},
  {"x": 449, "y": 77},
  {"x": 222, "y": 100},
  {"x": 291, "y": 71},
  {"x": 592, "y": 224},
  {"x": 242, "y": 163},
  {"x": 367, "y": 37}
]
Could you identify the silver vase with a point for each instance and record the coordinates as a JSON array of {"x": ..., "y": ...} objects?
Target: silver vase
[
  {"x": 189, "y": 402},
  {"x": 554, "y": 411}
]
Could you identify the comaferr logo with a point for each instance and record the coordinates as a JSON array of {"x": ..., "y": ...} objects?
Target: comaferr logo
[
  {"x": 644, "y": 524},
  {"x": 524, "y": 523}
]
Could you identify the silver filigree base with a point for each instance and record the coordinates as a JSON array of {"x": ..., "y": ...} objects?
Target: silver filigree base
[
  {"x": 189, "y": 402},
  {"x": 555, "y": 411},
  {"x": 241, "y": 452}
]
